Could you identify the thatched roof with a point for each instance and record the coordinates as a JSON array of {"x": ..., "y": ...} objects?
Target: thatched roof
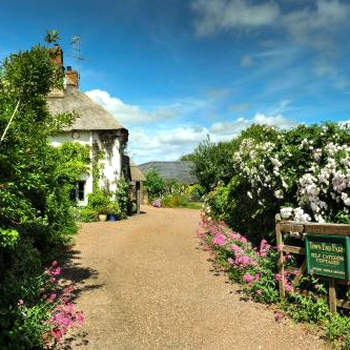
[
  {"x": 92, "y": 116},
  {"x": 181, "y": 171},
  {"x": 136, "y": 173}
]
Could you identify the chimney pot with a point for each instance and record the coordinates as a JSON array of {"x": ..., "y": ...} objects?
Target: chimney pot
[{"x": 72, "y": 78}]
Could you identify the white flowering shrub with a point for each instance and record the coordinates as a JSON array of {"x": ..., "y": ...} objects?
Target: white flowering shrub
[{"x": 305, "y": 170}]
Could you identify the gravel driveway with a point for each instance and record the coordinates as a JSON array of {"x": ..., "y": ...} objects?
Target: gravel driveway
[{"x": 145, "y": 283}]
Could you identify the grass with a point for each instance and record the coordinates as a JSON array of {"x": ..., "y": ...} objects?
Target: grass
[{"x": 192, "y": 205}]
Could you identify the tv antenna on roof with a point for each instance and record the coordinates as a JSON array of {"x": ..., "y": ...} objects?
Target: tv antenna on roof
[{"x": 75, "y": 42}]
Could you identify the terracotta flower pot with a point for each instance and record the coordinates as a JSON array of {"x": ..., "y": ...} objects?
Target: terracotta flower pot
[{"x": 102, "y": 217}]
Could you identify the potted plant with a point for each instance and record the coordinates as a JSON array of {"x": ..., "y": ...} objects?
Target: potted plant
[
  {"x": 102, "y": 213},
  {"x": 113, "y": 211}
]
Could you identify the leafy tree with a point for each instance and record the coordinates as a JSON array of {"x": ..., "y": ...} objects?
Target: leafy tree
[
  {"x": 213, "y": 163},
  {"x": 188, "y": 157},
  {"x": 35, "y": 211},
  {"x": 52, "y": 36},
  {"x": 154, "y": 185}
]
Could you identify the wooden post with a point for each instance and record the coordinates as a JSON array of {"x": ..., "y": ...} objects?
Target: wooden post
[
  {"x": 138, "y": 197},
  {"x": 280, "y": 263},
  {"x": 332, "y": 296}
]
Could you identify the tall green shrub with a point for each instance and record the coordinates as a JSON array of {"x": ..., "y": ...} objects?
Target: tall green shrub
[
  {"x": 305, "y": 167},
  {"x": 154, "y": 185},
  {"x": 35, "y": 215}
]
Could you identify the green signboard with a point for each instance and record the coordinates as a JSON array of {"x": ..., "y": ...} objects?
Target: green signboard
[{"x": 328, "y": 255}]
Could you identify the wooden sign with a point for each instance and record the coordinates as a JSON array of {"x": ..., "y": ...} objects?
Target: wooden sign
[{"x": 328, "y": 255}]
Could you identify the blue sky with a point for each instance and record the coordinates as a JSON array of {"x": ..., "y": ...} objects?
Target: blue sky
[{"x": 174, "y": 71}]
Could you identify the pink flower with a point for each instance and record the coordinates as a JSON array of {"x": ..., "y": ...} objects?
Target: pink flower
[
  {"x": 278, "y": 316},
  {"x": 230, "y": 261},
  {"x": 278, "y": 277},
  {"x": 287, "y": 257},
  {"x": 54, "y": 263},
  {"x": 64, "y": 300},
  {"x": 53, "y": 279},
  {"x": 248, "y": 278},
  {"x": 257, "y": 276},
  {"x": 79, "y": 316},
  {"x": 288, "y": 288},
  {"x": 258, "y": 292},
  {"x": 264, "y": 248},
  {"x": 243, "y": 239},
  {"x": 56, "y": 271},
  {"x": 68, "y": 290},
  {"x": 219, "y": 239},
  {"x": 69, "y": 308},
  {"x": 52, "y": 297},
  {"x": 20, "y": 302},
  {"x": 236, "y": 249},
  {"x": 57, "y": 334},
  {"x": 244, "y": 261}
]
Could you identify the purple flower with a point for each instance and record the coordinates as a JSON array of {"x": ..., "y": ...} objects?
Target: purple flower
[{"x": 157, "y": 203}]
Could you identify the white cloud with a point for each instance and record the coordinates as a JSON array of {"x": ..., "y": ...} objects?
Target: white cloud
[
  {"x": 218, "y": 15},
  {"x": 233, "y": 128},
  {"x": 323, "y": 68},
  {"x": 246, "y": 61},
  {"x": 152, "y": 137},
  {"x": 314, "y": 24},
  {"x": 147, "y": 145},
  {"x": 171, "y": 144},
  {"x": 278, "y": 121},
  {"x": 129, "y": 114}
]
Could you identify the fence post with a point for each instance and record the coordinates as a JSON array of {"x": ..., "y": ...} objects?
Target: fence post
[
  {"x": 280, "y": 263},
  {"x": 332, "y": 296}
]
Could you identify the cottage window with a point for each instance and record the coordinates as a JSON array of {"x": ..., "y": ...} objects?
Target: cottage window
[
  {"x": 78, "y": 193},
  {"x": 81, "y": 190}
]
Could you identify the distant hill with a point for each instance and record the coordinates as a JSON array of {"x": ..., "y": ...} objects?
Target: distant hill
[{"x": 181, "y": 171}]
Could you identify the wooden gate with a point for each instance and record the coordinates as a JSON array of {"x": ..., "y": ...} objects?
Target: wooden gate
[{"x": 312, "y": 230}]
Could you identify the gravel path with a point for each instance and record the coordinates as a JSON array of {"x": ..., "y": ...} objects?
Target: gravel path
[{"x": 145, "y": 283}]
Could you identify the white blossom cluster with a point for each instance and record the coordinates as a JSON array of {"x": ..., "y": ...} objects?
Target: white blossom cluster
[
  {"x": 324, "y": 186},
  {"x": 326, "y": 181},
  {"x": 261, "y": 166}
]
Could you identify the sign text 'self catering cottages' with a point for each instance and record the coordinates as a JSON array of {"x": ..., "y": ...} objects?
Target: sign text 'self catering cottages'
[{"x": 94, "y": 127}]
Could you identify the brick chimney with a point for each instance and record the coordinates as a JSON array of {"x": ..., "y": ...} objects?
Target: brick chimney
[
  {"x": 57, "y": 55},
  {"x": 72, "y": 77}
]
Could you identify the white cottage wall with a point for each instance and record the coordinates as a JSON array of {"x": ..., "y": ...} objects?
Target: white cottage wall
[
  {"x": 111, "y": 164},
  {"x": 84, "y": 138}
]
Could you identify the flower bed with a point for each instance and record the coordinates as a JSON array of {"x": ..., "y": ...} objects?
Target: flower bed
[
  {"x": 45, "y": 313},
  {"x": 255, "y": 268}
]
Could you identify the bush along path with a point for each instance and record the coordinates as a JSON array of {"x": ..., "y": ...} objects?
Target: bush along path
[
  {"x": 256, "y": 270},
  {"x": 154, "y": 287}
]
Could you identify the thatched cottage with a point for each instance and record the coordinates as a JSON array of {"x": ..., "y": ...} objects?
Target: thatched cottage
[{"x": 94, "y": 127}]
